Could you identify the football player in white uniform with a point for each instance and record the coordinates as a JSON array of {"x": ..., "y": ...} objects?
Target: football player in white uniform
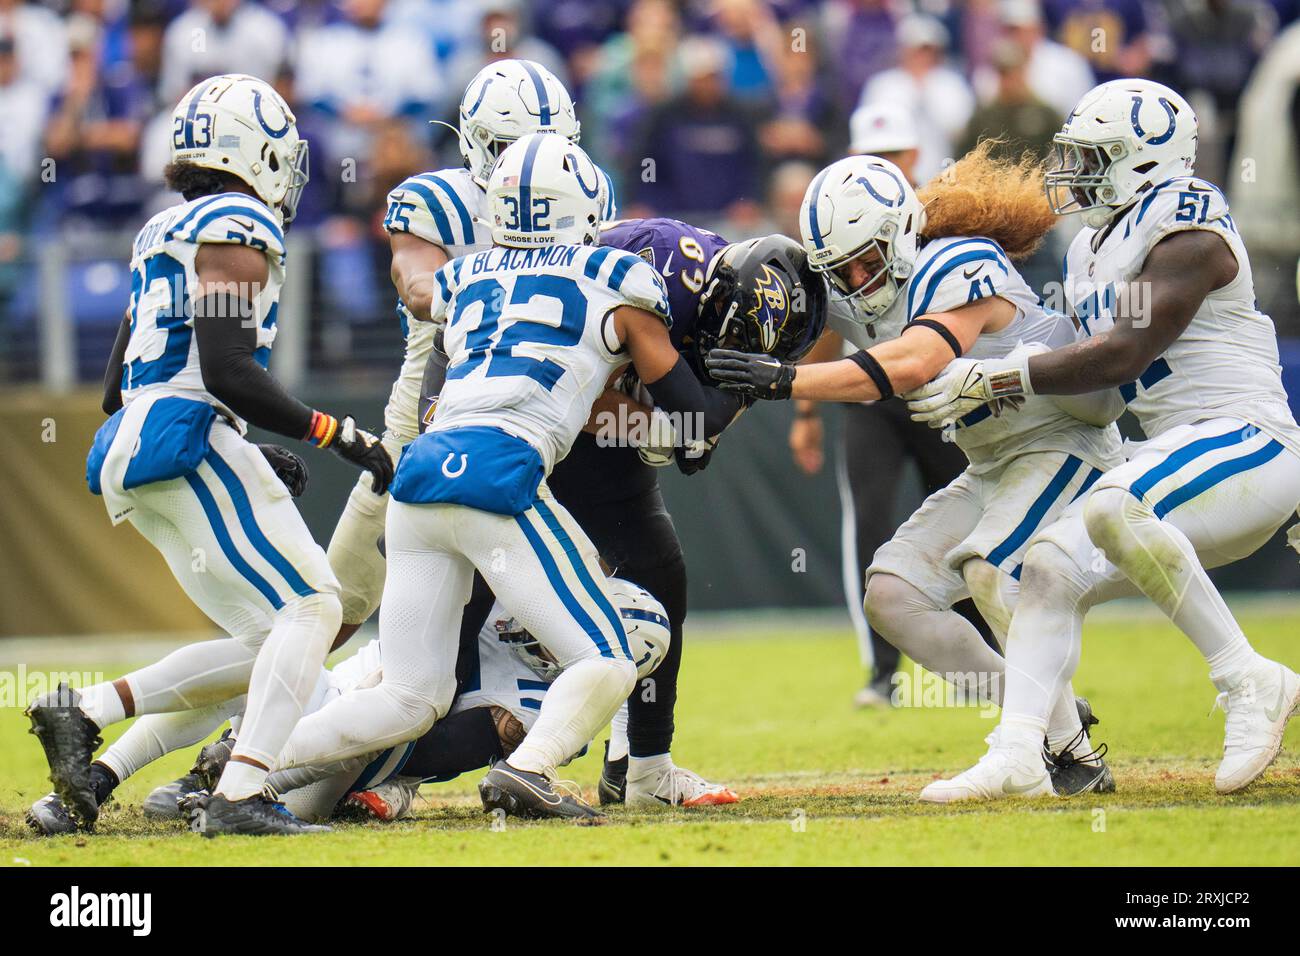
[
  {"x": 187, "y": 375},
  {"x": 930, "y": 280},
  {"x": 1160, "y": 281},
  {"x": 434, "y": 217},
  {"x": 503, "y": 674},
  {"x": 536, "y": 327}
]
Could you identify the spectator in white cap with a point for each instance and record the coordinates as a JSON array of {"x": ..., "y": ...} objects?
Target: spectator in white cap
[
  {"x": 922, "y": 84},
  {"x": 885, "y": 130},
  {"x": 1056, "y": 74}
]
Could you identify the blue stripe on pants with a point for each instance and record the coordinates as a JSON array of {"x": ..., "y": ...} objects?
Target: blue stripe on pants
[
  {"x": 1212, "y": 476},
  {"x": 580, "y": 569},
  {"x": 248, "y": 521},
  {"x": 561, "y": 589},
  {"x": 1037, "y": 511},
  {"x": 1182, "y": 456},
  {"x": 227, "y": 543}
]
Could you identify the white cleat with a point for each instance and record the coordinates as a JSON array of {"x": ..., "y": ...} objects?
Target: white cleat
[
  {"x": 674, "y": 786},
  {"x": 1000, "y": 774},
  {"x": 389, "y": 801},
  {"x": 1257, "y": 709}
]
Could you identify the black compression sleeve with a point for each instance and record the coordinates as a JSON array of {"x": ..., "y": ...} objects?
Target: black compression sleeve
[
  {"x": 867, "y": 362},
  {"x": 680, "y": 392},
  {"x": 227, "y": 339},
  {"x": 456, "y": 744},
  {"x": 943, "y": 331},
  {"x": 113, "y": 374}
]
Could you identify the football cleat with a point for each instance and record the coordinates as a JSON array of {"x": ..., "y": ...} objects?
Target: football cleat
[
  {"x": 674, "y": 786},
  {"x": 389, "y": 801},
  {"x": 522, "y": 793},
  {"x": 999, "y": 774},
  {"x": 163, "y": 803},
  {"x": 257, "y": 815},
  {"x": 878, "y": 693},
  {"x": 49, "y": 817},
  {"x": 70, "y": 739},
  {"x": 1073, "y": 774},
  {"x": 212, "y": 762},
  {"x": 1258, "y": 708},
  {"x": 613, "y": 780},
  {"x": 1086, "y": 717}
]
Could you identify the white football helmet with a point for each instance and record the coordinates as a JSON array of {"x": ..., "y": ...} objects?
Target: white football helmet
[
  {"x": 1124, "y": 137},
  {"x": 506, "y": 100},
  {"x": 240, "y": 125},
  {"x": 863, "y": 208},
  {"x": 545, "y": 191},
  {"x": 644, "y": 621}
]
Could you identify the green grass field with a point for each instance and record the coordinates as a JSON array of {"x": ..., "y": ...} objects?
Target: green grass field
[{"x": 824, "y": 784}]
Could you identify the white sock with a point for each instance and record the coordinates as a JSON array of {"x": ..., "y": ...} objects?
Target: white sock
[
  {"x": 284, "y": 676},
  {"x": 576, "y": 706},
  {"x": 1232, "y": 663},
  {"x": 155, "y": 735},
  {"x": 1045, "y": 638},
  {"x": 1063, "y": 723},
  {"x": 103, "y": 704},
  {"x": 638, "y": 767},
  {"x": 1024, "y": 735},
  {"x": 618, "y": 744}
]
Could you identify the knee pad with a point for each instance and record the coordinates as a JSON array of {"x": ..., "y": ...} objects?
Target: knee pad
[
  {"x": 322, "y": 611},
  {"x": 888, "y": 599},
  {"x": 1050, "y": 574},
  {"x": 355, "y": 554},
  {"x": 1107, "y": 511},
  {"x": 994, "y": 592}
]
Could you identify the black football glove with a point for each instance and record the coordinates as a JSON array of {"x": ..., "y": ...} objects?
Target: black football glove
[
  {"x": 754, "y": 374},
  {"x": 689, "y": 464},
  {"x": 288, "y": 467},
  {"x": 364, "y": 450}
]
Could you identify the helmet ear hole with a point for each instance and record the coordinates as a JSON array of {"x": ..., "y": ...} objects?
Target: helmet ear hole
[{"x": 274, "y": 163}]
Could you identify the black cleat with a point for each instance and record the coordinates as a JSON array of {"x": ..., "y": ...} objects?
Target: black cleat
[
  {"x": 163, "y": 803},
  {"x": 70, "y": 739},
  {"x": 49, "y": 817},
  {"x": 1073, "y": 775},
  {"x": 613, "y": 780},
  {"x": 211, "y": 764},
  {"x": 253, "y": 816},
  {"x": 522, "y": 793},
  {"x": 1086, "y": 716}
]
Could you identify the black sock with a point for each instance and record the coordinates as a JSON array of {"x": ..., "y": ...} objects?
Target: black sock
[{"x": 103, "y": 781}]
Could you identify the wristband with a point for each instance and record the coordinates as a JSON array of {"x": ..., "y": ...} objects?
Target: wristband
[{"x": 322, "y": 430}]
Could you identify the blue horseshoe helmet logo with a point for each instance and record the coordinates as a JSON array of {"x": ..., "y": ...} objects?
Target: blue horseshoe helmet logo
[
  {"x": 594, "y": 191},
  {"x": 1137, "y": 123},
  {"x": 257, "y": 111},
  {"x": 891, "y": 203}
]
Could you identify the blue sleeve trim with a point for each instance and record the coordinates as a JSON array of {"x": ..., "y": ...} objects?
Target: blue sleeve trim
[
  {"x": 434, "y": 205},
  {"x": 915, "y": 282},
  {"x": 466, "y": 220},
  {"x": 975, "y": 255}
]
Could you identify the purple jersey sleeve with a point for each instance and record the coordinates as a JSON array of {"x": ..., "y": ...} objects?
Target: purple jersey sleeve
[{"x": 681, "y": 253}]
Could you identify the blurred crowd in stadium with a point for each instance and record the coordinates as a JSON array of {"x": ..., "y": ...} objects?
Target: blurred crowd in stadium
[{"x": 717, "y": 111}]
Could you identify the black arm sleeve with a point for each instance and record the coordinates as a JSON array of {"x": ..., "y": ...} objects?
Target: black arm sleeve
[
  {"x": 680, "y": 392},
  {"x": 113, "y": 374},
  {"x": 227, "y": 340}
]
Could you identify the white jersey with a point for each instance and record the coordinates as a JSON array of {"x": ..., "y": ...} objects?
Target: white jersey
[
  {"x": 1226, "y": 360},
  {"x": 448, "y": 209},
  {"x": 162, "y": 357},
  {"x": 953, "y": 272},
  {"x": 445, "y": 208},
  {"x": 529, "y": 337}
]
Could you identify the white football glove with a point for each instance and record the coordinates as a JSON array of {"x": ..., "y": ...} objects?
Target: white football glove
[{"x": 966, "y": 384}]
